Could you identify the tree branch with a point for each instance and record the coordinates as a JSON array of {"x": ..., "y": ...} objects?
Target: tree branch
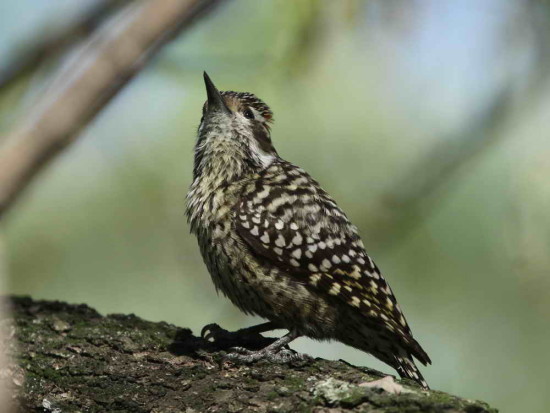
[
  {"x": 410, "y": 199},
  {"x": 83, "y": 86},
  {"x": 77, "y": 360},
  {"x": 51, "y": 44},
  {"x": 403, "y": 206}
]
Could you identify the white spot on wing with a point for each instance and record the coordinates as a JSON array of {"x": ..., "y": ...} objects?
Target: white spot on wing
[
  {"x": 314, "y": 279},
  {"x": 297, "y": 240},
  {"x": 335, "y": 289},
  {"x": 280, "y": 241}
]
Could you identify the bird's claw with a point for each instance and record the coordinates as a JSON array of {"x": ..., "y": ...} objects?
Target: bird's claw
[{"x": 213, "y": 332}]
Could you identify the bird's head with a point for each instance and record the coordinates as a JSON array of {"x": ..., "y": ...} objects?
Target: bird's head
[{"x": 234, "y": 134}]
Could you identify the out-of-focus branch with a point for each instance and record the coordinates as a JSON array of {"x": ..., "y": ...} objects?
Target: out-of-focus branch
[
  {"x": 87, "y": 82},
  {"x": 51, "y": 44},
  {"x": 406, "y": 203}
]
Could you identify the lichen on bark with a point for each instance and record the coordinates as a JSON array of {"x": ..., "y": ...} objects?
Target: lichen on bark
[{"x": 76, "y": 360}]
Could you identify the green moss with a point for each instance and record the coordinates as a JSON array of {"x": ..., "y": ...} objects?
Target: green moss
[
  {"x": 272, "y": 395},
  {"x": 121, "y": 364},
  {"x": 353, "y": 397},
  {"x": 294, "y": 383}
]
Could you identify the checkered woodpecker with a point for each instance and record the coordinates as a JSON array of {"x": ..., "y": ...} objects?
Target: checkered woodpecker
[{"x": 278, "y": 246}]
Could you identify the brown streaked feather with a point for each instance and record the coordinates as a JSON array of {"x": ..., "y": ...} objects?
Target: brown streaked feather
[{"x": 286, "y": 218}]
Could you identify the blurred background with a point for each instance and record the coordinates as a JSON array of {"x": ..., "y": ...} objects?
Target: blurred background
[{"x": 427, "y": 120}]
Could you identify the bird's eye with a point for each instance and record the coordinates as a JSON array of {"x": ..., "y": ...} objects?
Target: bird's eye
[{"x": 248, "y": 114}]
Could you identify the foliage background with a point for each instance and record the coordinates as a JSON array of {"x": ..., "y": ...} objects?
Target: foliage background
[{"x": 363, "y": 91}]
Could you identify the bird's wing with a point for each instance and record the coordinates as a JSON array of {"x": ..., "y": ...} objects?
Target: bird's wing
[{"x": 293, "y": 224}]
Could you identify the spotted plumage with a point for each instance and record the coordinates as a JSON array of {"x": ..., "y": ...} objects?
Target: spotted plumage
[{"x": 279, "y": 246}]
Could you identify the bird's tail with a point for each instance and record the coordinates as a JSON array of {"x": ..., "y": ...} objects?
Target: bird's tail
[{"x": 407, "y": 369}]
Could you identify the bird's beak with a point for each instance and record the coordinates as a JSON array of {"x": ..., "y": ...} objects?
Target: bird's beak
[{"x": 215, "y": 99}]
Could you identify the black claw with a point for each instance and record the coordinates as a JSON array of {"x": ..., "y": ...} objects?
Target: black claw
[
  {"x": 206, "y": 329},
  {"x": 221, "y": 339},
  {"x": 212, "y": 332}
]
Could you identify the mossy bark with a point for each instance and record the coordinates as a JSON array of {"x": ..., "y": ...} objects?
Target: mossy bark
[{"x": 76, "y": 360}]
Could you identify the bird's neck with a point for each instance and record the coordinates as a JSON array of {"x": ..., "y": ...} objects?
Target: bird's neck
[
  {"x": 220, "y": 166},
  {"x": 220, "y": 160}
]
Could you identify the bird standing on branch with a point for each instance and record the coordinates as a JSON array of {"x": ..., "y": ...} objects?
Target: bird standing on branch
[{"x": 277, "y": 245}]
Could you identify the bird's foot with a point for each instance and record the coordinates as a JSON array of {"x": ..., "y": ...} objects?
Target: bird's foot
[
  {"x": 280, "y": 356},
  {"x": 213, "y": 332},
  {"x": 223, "y": 339},
  {"x": 248, "y": 345}
]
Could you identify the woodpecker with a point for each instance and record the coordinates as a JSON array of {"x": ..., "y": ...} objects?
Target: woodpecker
[{"x": 278, "y": 246}]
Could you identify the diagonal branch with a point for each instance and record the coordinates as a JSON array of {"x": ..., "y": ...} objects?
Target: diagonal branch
[
  {"x": 408, "y": 201},
  {"x": 51, "y": 44},
  {"x": 86, "y": 83}
]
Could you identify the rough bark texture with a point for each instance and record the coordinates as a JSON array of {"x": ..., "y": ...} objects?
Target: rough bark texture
[{"x": 69, "y": 358}]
